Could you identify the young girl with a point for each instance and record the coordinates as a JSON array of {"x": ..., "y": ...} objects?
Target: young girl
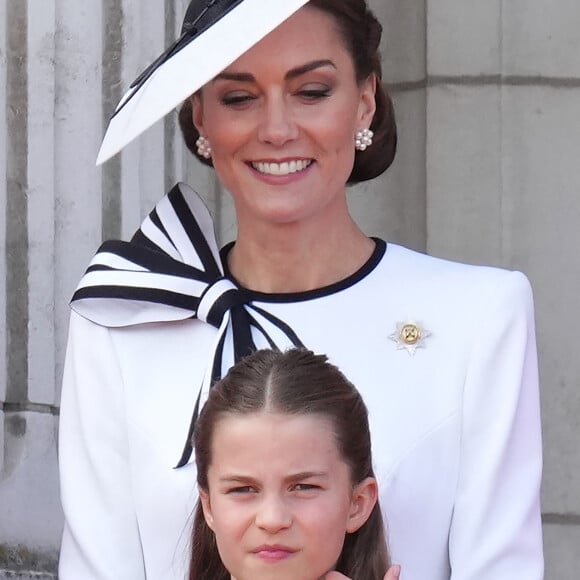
[{"x": 284, "y": 470}]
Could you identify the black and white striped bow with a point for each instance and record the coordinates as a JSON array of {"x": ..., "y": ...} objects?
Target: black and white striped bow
[{"x": 171, "y": 270}]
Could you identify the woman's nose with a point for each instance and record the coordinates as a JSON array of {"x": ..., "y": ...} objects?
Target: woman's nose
[
  {"x": 277, "y": 126},
  {"x": 273, "y": 515}
]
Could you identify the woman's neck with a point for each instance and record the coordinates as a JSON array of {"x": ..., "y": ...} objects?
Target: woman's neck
[{"x": 298, "y": 257}]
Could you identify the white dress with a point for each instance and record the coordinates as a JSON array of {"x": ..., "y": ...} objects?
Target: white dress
[{"x": 455, "y": 426}]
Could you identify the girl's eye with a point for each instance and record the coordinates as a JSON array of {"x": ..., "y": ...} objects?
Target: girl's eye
[
  {"x": 305, "y": 487},
  {"x": 241, "y": 489}
]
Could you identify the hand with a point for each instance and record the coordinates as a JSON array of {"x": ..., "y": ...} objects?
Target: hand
[{"x": 393, "y": 573}]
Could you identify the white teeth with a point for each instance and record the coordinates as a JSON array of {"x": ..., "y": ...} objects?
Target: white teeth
[{"x": 283, "y": 168}]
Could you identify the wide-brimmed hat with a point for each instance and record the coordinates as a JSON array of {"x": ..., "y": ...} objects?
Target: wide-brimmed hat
[{"x": 214, "y": 34}]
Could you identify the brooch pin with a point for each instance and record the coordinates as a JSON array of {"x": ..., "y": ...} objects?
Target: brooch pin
[{"x": 410, "y": 336}]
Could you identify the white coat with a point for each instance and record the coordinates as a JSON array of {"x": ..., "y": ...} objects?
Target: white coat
[{"x": 455, "y": 426}]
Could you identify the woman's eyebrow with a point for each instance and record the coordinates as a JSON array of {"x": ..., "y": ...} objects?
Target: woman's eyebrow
[
  {"x": 244, "y": 77},
  {"x": 234, "y": 76},
  {"x": 309, "y": 66}
]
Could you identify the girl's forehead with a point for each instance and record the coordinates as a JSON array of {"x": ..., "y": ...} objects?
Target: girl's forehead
[
  {"x": 243, "y": 436},
  {"x": 290, "y": 424}
]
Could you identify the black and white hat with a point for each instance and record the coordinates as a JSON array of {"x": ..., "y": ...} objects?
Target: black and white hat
[{"x": 214, "y": 34}]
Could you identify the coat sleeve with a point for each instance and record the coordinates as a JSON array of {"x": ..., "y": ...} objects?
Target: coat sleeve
[
  {"x": 101, "y": 535},
  {"x": 496, "y": 525}
]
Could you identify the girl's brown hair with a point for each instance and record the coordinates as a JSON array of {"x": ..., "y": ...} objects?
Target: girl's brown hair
[
  {"x": 361, "y": 32},
  {"x": 295, "y": 382}
]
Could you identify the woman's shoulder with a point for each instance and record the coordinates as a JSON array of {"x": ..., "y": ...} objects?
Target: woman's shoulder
[{"x": 449, "y": 279}]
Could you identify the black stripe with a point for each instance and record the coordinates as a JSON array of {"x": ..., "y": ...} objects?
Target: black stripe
[
  {"x": 227, "y": 301},
  {"x": 216, "y": 373},
  {"x": 100, "y": 268},
  {"x": 188, "y": 447},
  {"x": 153, "y": 295},
  {"x": 217, "y": 363},
  {"x": 157, "y": 262},
  {"x": 193, "y": 231},
  {"x": 255, "y": 324},
  {"x": 279, "y": 323},
  {"x": 154, "y": 217},
  {"x": 140, "y": 239},
  {"x": 241, "y": 333}
]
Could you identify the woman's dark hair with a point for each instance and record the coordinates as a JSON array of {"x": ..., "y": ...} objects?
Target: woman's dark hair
[
  {"x": 361, "y": 32},
  {"x": 295, "y": 382}
]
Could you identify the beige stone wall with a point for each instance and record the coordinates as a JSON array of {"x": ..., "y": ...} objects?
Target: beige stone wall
[
  {"x": 488, "y": 102},
  {"x": 503, "y": 143}
]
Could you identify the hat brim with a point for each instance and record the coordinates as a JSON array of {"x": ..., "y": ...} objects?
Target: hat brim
[{"x": 192, "y": 67}]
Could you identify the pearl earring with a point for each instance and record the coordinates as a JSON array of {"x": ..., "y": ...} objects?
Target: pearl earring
[
  {"x": 203, "y": 147},
  {"x": 363, "y": 139}
]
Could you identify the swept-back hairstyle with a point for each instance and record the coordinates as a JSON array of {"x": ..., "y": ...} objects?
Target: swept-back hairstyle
[
  {"x": 361, "y": 32},
  {"x": 295, "y": 382}
]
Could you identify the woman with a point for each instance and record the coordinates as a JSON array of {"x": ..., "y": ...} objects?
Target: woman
[
  {"x": 442, "y": 353},
  {"x": 285, "y": 476}
]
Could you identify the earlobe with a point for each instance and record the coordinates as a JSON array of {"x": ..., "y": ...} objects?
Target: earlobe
[
  {"x": 206, "y": 507},
  {"x": 364, "y": 498}
]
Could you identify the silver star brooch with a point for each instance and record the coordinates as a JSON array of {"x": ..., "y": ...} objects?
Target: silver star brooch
[{"x": 410, "y": 336}]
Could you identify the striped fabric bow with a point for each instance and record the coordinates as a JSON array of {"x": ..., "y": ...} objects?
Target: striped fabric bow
[{"x": 171, "y": 270}]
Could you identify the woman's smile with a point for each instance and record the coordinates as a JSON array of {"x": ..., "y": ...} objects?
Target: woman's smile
[{"x": 281, "y": 167}]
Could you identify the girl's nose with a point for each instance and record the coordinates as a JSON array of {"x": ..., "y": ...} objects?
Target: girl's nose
[
  {"x": 273, "y": 515},
  {"x": 277, "y": 126}
]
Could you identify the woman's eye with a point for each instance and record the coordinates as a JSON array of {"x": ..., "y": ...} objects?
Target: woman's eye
[
  {"x": 314, "y": 94},
  {"x": 235, "y": 99}
]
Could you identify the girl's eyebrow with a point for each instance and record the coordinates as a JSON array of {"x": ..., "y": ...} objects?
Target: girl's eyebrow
[
  {"x": 238, "y": 478},
  {"x": 235, "y": 479},
  {"x": 291, "y": 74},
  {"x": 248, "y": 480},
  {"x": 307, "y": 475}
]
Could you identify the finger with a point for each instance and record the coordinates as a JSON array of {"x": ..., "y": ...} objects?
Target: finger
[{"x": 393, "y": 573}]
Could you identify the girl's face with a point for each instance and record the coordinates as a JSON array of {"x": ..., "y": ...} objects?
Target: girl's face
[
  {"x": 280, "y": 497},
  {"x": 281, "y": 121}
]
